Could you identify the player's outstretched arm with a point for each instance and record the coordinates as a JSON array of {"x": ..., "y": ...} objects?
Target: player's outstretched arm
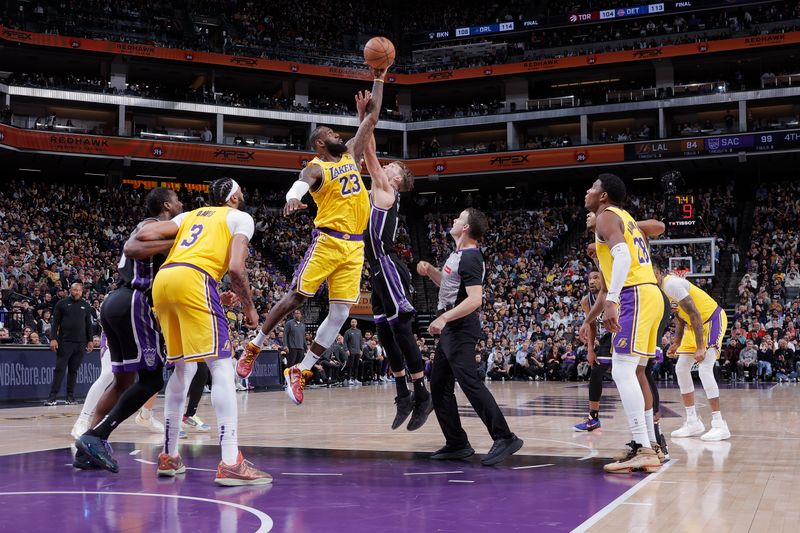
[
  {"x": 151, "y": 238},
  {"x": 651, "y": 227},
  {"x": 358, "y": 144},
  {"x": 310, "y": 179}
]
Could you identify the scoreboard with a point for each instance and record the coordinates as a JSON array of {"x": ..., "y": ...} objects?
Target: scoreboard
[
  {"x": 726, "y": 144},
  {"x": 681, "y": 218}
]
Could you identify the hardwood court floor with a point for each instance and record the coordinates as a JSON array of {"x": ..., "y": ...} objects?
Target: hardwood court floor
[{"x": 748, "y": 483}]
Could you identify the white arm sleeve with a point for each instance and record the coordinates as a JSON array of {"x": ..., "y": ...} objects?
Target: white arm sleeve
[
  {"x": 241, "y": 223},
  {"x": 619, "y": 270},
  {"x": 298, "y": 190},
  {"x": 178, "y": 220},
  {"x": 676, "y": 288}
]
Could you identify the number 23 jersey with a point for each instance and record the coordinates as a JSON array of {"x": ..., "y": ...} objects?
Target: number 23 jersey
[
  {"x": 204, "y": 238},
  {"x": 641, "y": 270},
  {"x": 342, "y": 200}
]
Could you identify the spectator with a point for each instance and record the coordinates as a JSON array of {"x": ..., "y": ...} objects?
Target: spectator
[
  {"x": 72, "y": 337},
  {"x": 748, "y": 361},
  {"x": 295, "y": 339},
  {"x": 353, "y": 342}
]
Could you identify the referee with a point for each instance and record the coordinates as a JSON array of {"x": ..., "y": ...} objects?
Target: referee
[
  {"x": 460, "y": 285},
  {"x": 71, "y": 331}
]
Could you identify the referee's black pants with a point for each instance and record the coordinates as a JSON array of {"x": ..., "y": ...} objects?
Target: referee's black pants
[
  {"x": 68, "y": 359},
  {"x": 455, "y": 360}
]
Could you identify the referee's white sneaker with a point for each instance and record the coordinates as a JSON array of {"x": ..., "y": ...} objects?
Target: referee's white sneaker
[
  {"x": 690, "y": 428},
  {"x": 719, "y": 431}
]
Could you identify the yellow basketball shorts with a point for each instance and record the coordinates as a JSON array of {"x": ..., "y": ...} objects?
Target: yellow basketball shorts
[
  {"x": 713, "y": 333},
  {"x": 186, "y": 303},
  {"x": 641, "y": 308},
  {"x": 338, "y": 261}
]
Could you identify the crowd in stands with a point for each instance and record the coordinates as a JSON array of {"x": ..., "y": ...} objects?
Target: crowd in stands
[
  {"x": 763, "y": 343},
  {"x": 54, "y": 234},
  {"x": 280, "y": 29}
]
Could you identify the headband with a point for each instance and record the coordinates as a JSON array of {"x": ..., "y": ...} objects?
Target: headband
[{"x": 234, "y": 189}]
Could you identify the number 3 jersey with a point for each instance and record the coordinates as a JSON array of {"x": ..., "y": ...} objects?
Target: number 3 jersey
[
  {"x": 342, "y": 200},
  {"x": 204, "y": 238},
  {"x": 641, "y": 270}
]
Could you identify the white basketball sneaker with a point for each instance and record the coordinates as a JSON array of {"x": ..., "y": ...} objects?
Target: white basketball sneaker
[
  {"x": 81, "y": 426},
  {"x": 149, "y": 422},
  {"x": 719, "y": 431},
  {"x": 690, "y": 428}
]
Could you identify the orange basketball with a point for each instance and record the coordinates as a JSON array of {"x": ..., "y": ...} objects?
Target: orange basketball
[{"x": 379, "y": 52}]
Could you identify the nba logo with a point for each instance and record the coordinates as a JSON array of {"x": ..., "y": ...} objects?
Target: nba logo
[
  {"x": 581, "y": 156},
  {"x": 158, "y": 151},
  {"x": 440, "y": 167}
]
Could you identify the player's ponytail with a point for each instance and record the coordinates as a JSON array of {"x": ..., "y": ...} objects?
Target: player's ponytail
[{"x": 218, "y": 191}]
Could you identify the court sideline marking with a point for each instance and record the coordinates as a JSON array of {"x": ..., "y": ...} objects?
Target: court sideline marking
[{"x": 605, "y": 511}]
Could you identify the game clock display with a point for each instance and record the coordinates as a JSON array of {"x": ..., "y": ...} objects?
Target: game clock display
[{"x": 681, "y": 219}]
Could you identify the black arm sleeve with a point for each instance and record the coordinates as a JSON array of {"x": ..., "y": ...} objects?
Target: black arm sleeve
[{"x": 471, "y": 268}]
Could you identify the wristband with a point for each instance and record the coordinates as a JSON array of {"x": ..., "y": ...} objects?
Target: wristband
[
  {"x": 377, "y": 80},
  {"x": 298, "y": 190}
]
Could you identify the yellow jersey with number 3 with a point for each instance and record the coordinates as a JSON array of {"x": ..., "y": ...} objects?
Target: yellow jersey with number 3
[
  {"x": 342, "y": 200},
  {"x": 203, "y": 241},
  {"x": 641, "y": 270}
]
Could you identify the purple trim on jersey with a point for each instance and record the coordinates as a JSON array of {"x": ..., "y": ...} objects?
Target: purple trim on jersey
[
  {"x": 210, "y": 278},
  {"x": 715, "y": 328},
  {"x": 298, "y": 273},
  {"x": 622, "y": 342},
  {"x": 395, "y": 285},
  {"x": 221, "y": 333},
  {"x": 103, "y": 343},
  {"x": 343, "y": 236},
  {"x": 142, "y": 274}
]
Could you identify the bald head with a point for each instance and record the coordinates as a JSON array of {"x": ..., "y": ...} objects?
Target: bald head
[{"x": 76, "y": 290}]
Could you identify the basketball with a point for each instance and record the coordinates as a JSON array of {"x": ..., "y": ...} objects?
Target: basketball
[{"x": 379, "y": 52}]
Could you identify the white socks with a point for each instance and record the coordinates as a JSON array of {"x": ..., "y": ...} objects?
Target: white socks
[
  {"x": 309, "y": 361},
  {"x": 651, "y": 429},
  {"x": 260, "y": 338},
  {"x": 691, "y": 413},
  {"x": 623, "y": 370},
  {"x": 716, "y": 416},
  {"x": 175, "y": 404},
  {"x": 97, "y": 389},
  {"x": 223, "y": 398}
]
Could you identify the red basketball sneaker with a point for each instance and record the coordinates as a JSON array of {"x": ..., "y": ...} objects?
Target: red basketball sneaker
[
  {"x": 245, "y": 365},
  {"x": 295, "y": 381},
  {"x": 242, "y": 473}
]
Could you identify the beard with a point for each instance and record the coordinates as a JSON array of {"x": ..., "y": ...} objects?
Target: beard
[{"x": 335, "y": 149}]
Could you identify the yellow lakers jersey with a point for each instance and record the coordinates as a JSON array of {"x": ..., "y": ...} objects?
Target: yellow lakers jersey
[
  {"x": 705, "y": 304},
  {"x": 641, "y": 270},
  {"x": 342, "y": 200},
  {"x": 204, "y": 241}
]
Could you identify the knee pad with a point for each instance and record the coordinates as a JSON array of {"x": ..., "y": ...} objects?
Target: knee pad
[
  {"x": 683, "y": 371},
  {"x": 706, "y": 371},
  {"x": 329, "y": 329},
  {"x": 596, "y": 382}
]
